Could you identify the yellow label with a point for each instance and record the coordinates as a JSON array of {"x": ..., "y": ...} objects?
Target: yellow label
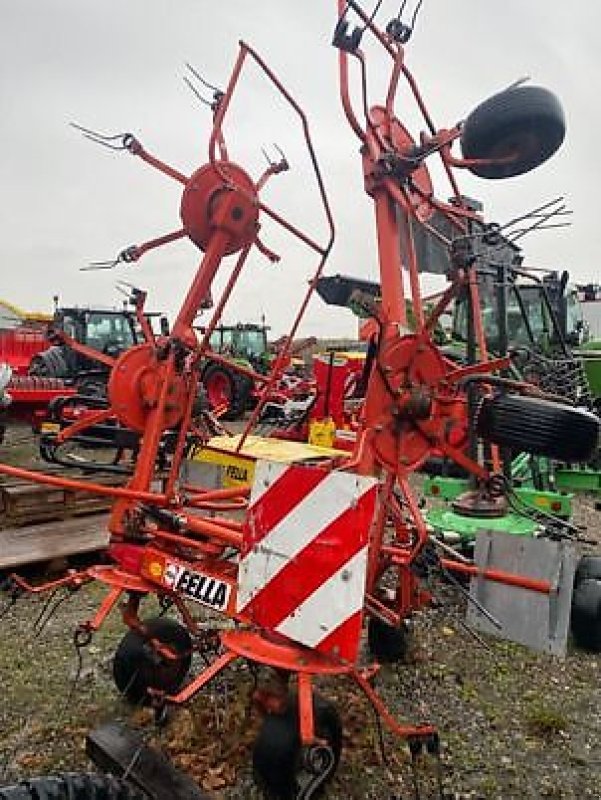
[
  {"x": 50, "y": 427},
  {"x": 236, "y": 469},
  {"x": 322, "y": 433}
]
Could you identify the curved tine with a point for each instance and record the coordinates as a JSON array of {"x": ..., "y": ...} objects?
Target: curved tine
[
  {"x": 267, "y": 158},
  {"x": 103, "y": 139},
  {"x": 401, "y": 10},
  {"x": 123, "y": 285},
  {"x": 122, "y": 290},
  {"x": 195, "y": 91},
  {"x": 201, "y": 79},
  {"x": 283, "y": 160},
  {"x": 415, "y": 13},
  {"x": 96, "y": 265},
  {"x": 374, "y": 13},
  {"x": 535, "y": 212}
]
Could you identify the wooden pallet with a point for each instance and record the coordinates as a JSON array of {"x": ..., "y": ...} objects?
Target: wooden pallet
[
  {"x": 23, "y": 502},
  {"x": 32, "y": 544}
]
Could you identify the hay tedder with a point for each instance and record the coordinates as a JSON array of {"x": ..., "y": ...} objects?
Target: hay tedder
[{"x": 302, "y": 558}]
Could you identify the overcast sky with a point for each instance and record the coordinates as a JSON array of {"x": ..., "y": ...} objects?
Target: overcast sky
[{"x": 117, "y": 65}]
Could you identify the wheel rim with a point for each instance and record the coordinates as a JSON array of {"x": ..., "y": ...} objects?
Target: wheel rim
[{"x": 218, "y": 390}]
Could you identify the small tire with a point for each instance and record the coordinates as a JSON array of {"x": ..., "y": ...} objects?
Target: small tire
[
  {"x": 138, "y": 668},
  {"x": 277, "y": 752},
  {"x": 541, "y": 427},
  {"x": 387, "y": 643},
  {"x": 526, "y": 122},
  {"x": 586, "y": 615},
  {"x": 589, "y": 568},
  {"x": 72, "y": 786}
]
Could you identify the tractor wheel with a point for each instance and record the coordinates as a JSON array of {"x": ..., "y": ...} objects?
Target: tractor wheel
[
  {"x": 225, "y": 387},
  {"x": 387, "y": 643},
  {"x": 586, "y": 615},
  {"x": 589, "y": 568},
  {"x": 541, "y": 427},
  {"x": 137, "y": 667},
  {"x": 282, "y": 766},
  {"x": 50, "y": 363},
  {"x": 525, "y": 124},
  {"x": 72, "y": 786}
]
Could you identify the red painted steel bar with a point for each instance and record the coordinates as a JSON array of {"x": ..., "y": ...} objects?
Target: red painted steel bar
[{"x": 92, "y": 488}]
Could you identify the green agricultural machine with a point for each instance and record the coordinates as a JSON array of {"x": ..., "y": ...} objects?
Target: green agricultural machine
[{"x": 246, "y": 345}]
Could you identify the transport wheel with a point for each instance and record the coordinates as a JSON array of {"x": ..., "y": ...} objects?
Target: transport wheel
[
  {"x": 589, "y": 567},
  {"x": 586, "y": 615},
  {"x": 542, "y": 427},
  {"x": 71, "y": 786},
  {"x": 282, "y": 767},
  {"x": 525, "y": 124},
  {"x": 224, "y": 387},
  {"x": 138, "y": 667},
  {"x": 387, "y": 643}
]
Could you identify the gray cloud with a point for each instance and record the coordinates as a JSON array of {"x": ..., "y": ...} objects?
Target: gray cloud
[{"x": 117, "y": 65}]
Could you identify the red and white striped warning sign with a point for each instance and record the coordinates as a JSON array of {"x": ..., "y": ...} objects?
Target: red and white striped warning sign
[{"x": 304, "y": 556}]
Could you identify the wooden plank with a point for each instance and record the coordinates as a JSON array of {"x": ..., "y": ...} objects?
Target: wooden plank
[
  {"x": 23, "y": 502},
  {"x": 34, "y": 543},
  {"x": 120, "y": 750}
]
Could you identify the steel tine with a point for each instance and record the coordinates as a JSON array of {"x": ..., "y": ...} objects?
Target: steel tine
[
  {"x": 204, "y": 82},
  {"x": 267, "y": 158},
  {"x": 195, "y": 91},
  {"x": 284, "y": 161},
  {"x": 101, "y": 138},
  {"x": 94, "y": 265}
]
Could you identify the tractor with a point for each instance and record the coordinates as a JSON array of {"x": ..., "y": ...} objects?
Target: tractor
[
  {"x": 107, "y": 332},
  {"x": 246, "y": 344}
]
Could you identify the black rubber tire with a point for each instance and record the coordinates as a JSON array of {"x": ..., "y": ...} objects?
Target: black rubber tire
[
  {"x": 50, "y": 363},
  {"x": 525, "y": 120},
  {"x": 386, "y": 643},
  {"x": 237, "y": 391},
  {"x": 541, "y": 427},
  {"x": 589, "y": 568},
  {"x": 586, "y": 615},
  {"x": 277, "y": 750},
  {"x": 138, "y": 668},
  {"x": 72, "y": 786}
]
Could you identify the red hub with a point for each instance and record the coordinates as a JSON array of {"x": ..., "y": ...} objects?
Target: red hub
[
  {"x": 419, "y": 403},
  {"x": 205, "y": 195},
  {"x": 135, "y": 386}
]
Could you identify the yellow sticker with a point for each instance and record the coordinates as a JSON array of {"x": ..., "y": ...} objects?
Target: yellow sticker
[{"x": 50, "y": 427}]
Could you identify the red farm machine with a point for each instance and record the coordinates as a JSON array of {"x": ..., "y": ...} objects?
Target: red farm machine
[
  {"x": 58, "y": 356},
  {"x": 318, "y": 550}
]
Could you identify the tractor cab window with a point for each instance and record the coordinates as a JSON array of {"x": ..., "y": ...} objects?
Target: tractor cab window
[
  {"x": 221, "y": 341},
  {"x": 108, "y": 332},
  {"x": 537, "y": 332},
  {"x": 577, "y": 331},
  {"x": 69, "y": 327},
  {"x": 528, "y": 320},
  {"x": 489, "y": 312},
  {"x": 249, "y": 343}
]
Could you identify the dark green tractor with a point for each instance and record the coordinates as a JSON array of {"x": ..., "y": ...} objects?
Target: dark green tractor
[{"x": 245, "y": 344}]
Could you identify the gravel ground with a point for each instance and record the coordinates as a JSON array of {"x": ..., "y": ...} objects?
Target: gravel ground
[{"x": 513, "y": 724}]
